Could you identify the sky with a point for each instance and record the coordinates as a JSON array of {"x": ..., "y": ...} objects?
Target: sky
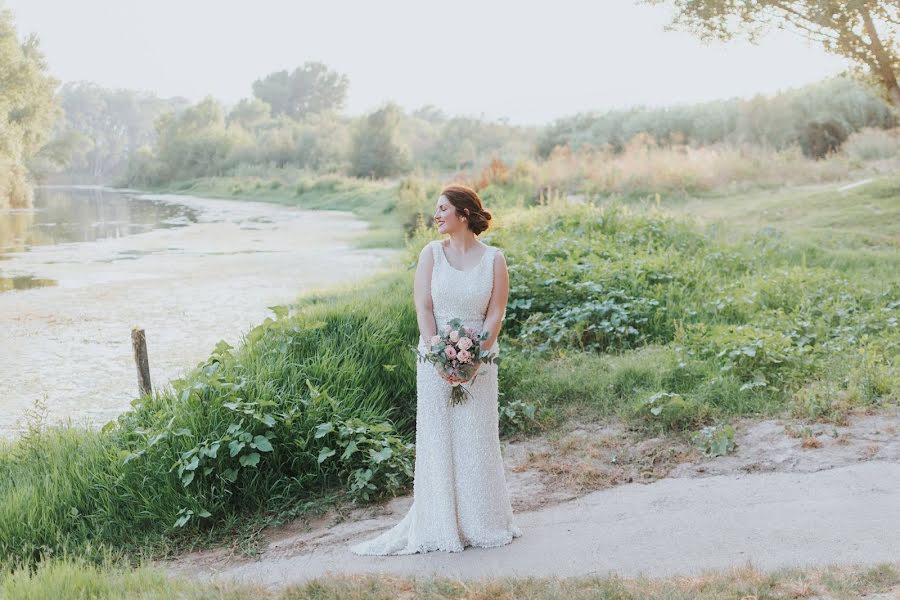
[{"x": 526, "y": 62}]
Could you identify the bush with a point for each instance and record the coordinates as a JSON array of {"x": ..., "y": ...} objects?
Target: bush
[
  {"x": 757, "y": 357},
  {"x": 818, "y": 139}
]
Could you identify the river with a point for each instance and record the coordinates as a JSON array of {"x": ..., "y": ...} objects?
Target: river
[{"x": 86, "y": 264}]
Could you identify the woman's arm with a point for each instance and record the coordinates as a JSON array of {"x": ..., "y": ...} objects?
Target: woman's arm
[
  {"x": 422, "y": 295},
  {"x": 496, "y": 311}
]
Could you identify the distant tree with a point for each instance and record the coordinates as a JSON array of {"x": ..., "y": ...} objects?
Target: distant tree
[
  {"x": 777, "y": 121},
  {"x": 865, "y": 31},
  {"x": 376, "y": 150},
  {"x": 102, "y": 129},
  {"x": 309, "y": 89},
  {"x": 28, "y": 109},
  {"x": 430, "y": 113},
  {"x": 250, "y": 113},
  {"x": 193, "y": 143}
]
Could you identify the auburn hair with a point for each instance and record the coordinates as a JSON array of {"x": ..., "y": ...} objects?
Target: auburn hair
[{"x": 468, "y": 204}]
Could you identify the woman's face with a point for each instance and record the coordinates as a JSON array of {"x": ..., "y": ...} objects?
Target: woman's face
[{"x": 445, "y": 217}]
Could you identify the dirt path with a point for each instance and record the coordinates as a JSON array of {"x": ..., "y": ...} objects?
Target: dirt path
[
  {"x": 188, "y": 287},
  {"x": 779, "y": 500}
]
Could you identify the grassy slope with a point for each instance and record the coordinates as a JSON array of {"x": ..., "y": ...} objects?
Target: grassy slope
[
  {"x": 853, "y": 230},
  {"x": 64, "y": 489}
]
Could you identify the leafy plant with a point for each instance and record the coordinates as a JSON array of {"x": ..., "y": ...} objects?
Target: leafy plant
[
  {"x": 517, "y": 416},
  {"x": 715, "y": 440},
  {"x": 670, "y": 411}
]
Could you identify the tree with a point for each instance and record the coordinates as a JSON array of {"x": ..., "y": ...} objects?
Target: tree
[
  {"x": 865, "y": 31},
  {"x": 28, "y": 108},
  {"x": 250, "y": 113},
  {"x": 309, "y": 89},
  {"x": 376, "y": 149},
  {"x": 107, "y": 128},
  {"x": 192, "y": 143}
]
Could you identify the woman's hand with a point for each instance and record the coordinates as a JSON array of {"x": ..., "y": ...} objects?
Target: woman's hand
[{"x": 452, "y": 379}]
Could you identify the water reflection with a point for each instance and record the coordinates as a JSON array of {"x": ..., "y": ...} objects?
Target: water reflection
[
  {"x": 61, "y": 215},
  {"x": 64, "y": 215},
  {"x": 23, "y": 282}
]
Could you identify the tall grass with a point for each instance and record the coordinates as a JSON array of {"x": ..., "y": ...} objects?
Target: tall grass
[
  {"x": 873, "y": 144},
  {"x": 646, "y": 168}
]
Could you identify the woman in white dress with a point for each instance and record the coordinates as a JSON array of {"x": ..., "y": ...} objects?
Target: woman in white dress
[{"x": 460, "y": 496}]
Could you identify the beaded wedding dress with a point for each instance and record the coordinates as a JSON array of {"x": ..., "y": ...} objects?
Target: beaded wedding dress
[{"x": 460, "y": 496}]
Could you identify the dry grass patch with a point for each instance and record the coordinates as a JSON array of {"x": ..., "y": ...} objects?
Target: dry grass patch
[
  {"x": 590, "y": 456},
  {"x": 745, "y": 583}
]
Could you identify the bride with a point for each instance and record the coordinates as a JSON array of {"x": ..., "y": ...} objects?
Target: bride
[{"x": 460, "y": 496}]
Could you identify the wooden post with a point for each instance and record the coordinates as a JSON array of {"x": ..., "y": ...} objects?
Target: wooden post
[{"x": 141, "y": 360}]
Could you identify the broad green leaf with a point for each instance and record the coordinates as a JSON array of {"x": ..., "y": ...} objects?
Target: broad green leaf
[
  {"x": 384, "y": 454},
  {"x": 182, "y": 520},
  {"x": 250, "y": 460},
  {"x": 324, "y": 429},
  {"x": 262, "y": 444},
  {"x": 235, "y": 446},
  {"x": 349, "y": 450},
  {"x": 325, "y": 453}
]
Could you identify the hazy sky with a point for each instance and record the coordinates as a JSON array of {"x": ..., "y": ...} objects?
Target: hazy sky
[{"x": 530, "y": 62}]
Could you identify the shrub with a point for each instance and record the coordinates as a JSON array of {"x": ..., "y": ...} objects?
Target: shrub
[
  {"x": 818, "y": 139},
  {"x": 715, "y": 440},
  {"x": 670, "y": 411}
]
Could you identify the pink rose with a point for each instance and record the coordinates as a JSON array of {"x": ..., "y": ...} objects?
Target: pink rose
[
  {"x": 454, "y": 336},
  {"x": 464, "y": 343},
  {"x": 464, "y": 356},
  {"x": 435, "y": 339},
  {"x": 450, "y": 351}
]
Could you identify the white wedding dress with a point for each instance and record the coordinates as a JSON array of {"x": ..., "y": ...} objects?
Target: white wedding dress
[{"x": 460, "y": 496}]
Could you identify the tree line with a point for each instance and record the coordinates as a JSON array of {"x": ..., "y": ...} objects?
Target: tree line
[{"x": 81, "y": 132}]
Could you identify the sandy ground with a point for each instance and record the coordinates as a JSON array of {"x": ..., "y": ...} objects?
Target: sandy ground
[
  {"x": 779, "y": 500},
  {"x": 188, "y": 288}
]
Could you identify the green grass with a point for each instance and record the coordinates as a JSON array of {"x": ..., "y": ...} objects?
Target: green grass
[
  {"x": 75, "y": 579},
  {"x": 850, "y": 231},
  {"x": 613, "y": 312},
  {"x": 742, "y": 325}
]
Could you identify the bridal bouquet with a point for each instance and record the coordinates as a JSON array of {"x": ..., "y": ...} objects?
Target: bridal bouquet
[{"x": 456, "y": 352}]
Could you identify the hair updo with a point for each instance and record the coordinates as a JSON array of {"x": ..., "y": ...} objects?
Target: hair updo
[{"x": 468, "y": 204}]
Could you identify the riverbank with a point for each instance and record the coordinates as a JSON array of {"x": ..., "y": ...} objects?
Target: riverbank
[
  {"x": 188, "y": 287},
  {"x": 374, "y": 201}
]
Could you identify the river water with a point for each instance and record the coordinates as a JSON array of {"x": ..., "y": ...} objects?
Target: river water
[{"x": 86, "y": 264}]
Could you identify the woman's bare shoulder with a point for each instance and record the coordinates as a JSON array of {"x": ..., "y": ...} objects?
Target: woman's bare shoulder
[{"x": 426, "y": 252}]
